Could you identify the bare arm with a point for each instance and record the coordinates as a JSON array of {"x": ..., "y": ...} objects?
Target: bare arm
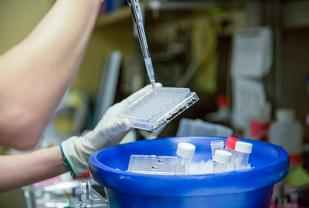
[
  {"x": 19, "y": 170},
  {"x": 35, "y": 73},
  {"x": 24, "y": 169}
]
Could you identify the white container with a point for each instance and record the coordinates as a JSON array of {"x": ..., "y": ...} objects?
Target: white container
[
  {"x": 287, "y": 132},
  {"x": 241, "y": 156},
  {"x": 221, "y": 160},
  {"x": 185, "y": 153}
]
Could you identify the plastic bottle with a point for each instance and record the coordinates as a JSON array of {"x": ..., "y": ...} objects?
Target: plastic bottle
[
  {"x": 185, "y": 152},
  {"x": 242, "y": 153},
  {"x": 287, "y": 132},
  {"x": 216, "y": 145},
  {"x": 221, "y": 160}
]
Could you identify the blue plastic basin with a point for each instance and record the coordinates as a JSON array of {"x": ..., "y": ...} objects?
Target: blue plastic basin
[{"x": 247, "y": 189}]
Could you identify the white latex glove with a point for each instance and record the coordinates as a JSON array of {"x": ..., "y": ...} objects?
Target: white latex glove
[{"x": 109, "y": 131}]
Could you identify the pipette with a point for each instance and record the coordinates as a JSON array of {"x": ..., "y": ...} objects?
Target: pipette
[{"x": 139, "y": 23}]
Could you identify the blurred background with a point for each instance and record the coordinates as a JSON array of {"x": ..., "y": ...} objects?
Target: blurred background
[{"x": 247, "y": 60}]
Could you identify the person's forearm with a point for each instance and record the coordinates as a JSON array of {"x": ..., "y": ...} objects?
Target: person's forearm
[
  {"x": 35, "y": 74},
  {"x": 19, "y": 170}
]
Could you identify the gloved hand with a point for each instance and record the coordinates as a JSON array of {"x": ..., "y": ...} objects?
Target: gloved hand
[{"x": 109, "y": 131}]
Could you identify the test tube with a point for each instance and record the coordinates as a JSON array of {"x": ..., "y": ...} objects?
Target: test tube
[
  {"x": 185, "y": 152},
  {"x": 216, "y": 145},
  {"x": 230, "y": 144},
  {"x": 221, "y": 160},
  {"x": 242, "y": 153}
]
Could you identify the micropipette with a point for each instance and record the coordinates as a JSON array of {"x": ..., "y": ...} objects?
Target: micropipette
[{"x": 139, "y": 23}]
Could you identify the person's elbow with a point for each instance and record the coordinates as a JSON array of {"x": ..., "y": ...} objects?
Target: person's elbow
[
  {"x": 20, "y": 129},
  {"x": 26, "y": 141}
]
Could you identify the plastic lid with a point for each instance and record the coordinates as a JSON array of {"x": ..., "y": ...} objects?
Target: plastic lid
[
  {"x": 222, "y": 156},
  {"x": 285, "y": 115},
  {"x": 185, "y": 150},
  {"x": 243, "y": 147},
  {"x": 231, "y": 142}
]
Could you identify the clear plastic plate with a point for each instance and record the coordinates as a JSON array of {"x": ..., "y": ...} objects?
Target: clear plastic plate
[
  {"x": 155, "y": 109},
  {"x": 152, "y": 164}
]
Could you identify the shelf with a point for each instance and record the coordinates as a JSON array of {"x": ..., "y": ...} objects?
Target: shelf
[
  {"x": 294, "y": 13},
  {"x": 122, "y": 15}
]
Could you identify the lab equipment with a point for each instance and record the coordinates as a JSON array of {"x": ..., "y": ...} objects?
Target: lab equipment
[
  {"x": 252, "y": 52},
  {"x": 152, "y": 164},
  {"x": 198, "y": 127},
  {"x": 185, "y": 152},
  {"x": 63, "y": 192},
  {"x": 108, "y": 84},
  {"x": 242, "y": 152},
  {"x": 221, "y": 160},
  {"x": 153, "y": 110},
  {"x": 89, "y": 198},
  {"x": 164, "y": 165},
  {"x": 216, "y": 145},
  {"x": 139, "y": 24},
  {"x": 227, "y": 190},
  {"x": 287, "y": 132},
  {"x": 249, "y": 101},
  {"x": 230, "y": 144}
]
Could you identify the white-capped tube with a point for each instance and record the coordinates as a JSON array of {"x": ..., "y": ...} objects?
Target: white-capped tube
[
  {"x": 185, "y": 152},
  {"x": 221, "y": 160},
  {"x": 242, "y": 153}
]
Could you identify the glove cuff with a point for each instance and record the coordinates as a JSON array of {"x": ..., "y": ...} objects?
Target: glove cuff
[
  {"x": 66, "y": 162},
  {"x": 74, "y": 155}
]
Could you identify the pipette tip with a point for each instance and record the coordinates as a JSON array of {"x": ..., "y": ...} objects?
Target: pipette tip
[{"x": 153, "y": 84}]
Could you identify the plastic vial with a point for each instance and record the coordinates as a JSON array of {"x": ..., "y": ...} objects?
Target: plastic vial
[
  {"x": 185, "y": 152},
  {"x": 221, "y": 160},
  {"x": 216, "y": 145},
  {"x": 230, "y": 144},
  {"x": 242, "y": 152}
]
